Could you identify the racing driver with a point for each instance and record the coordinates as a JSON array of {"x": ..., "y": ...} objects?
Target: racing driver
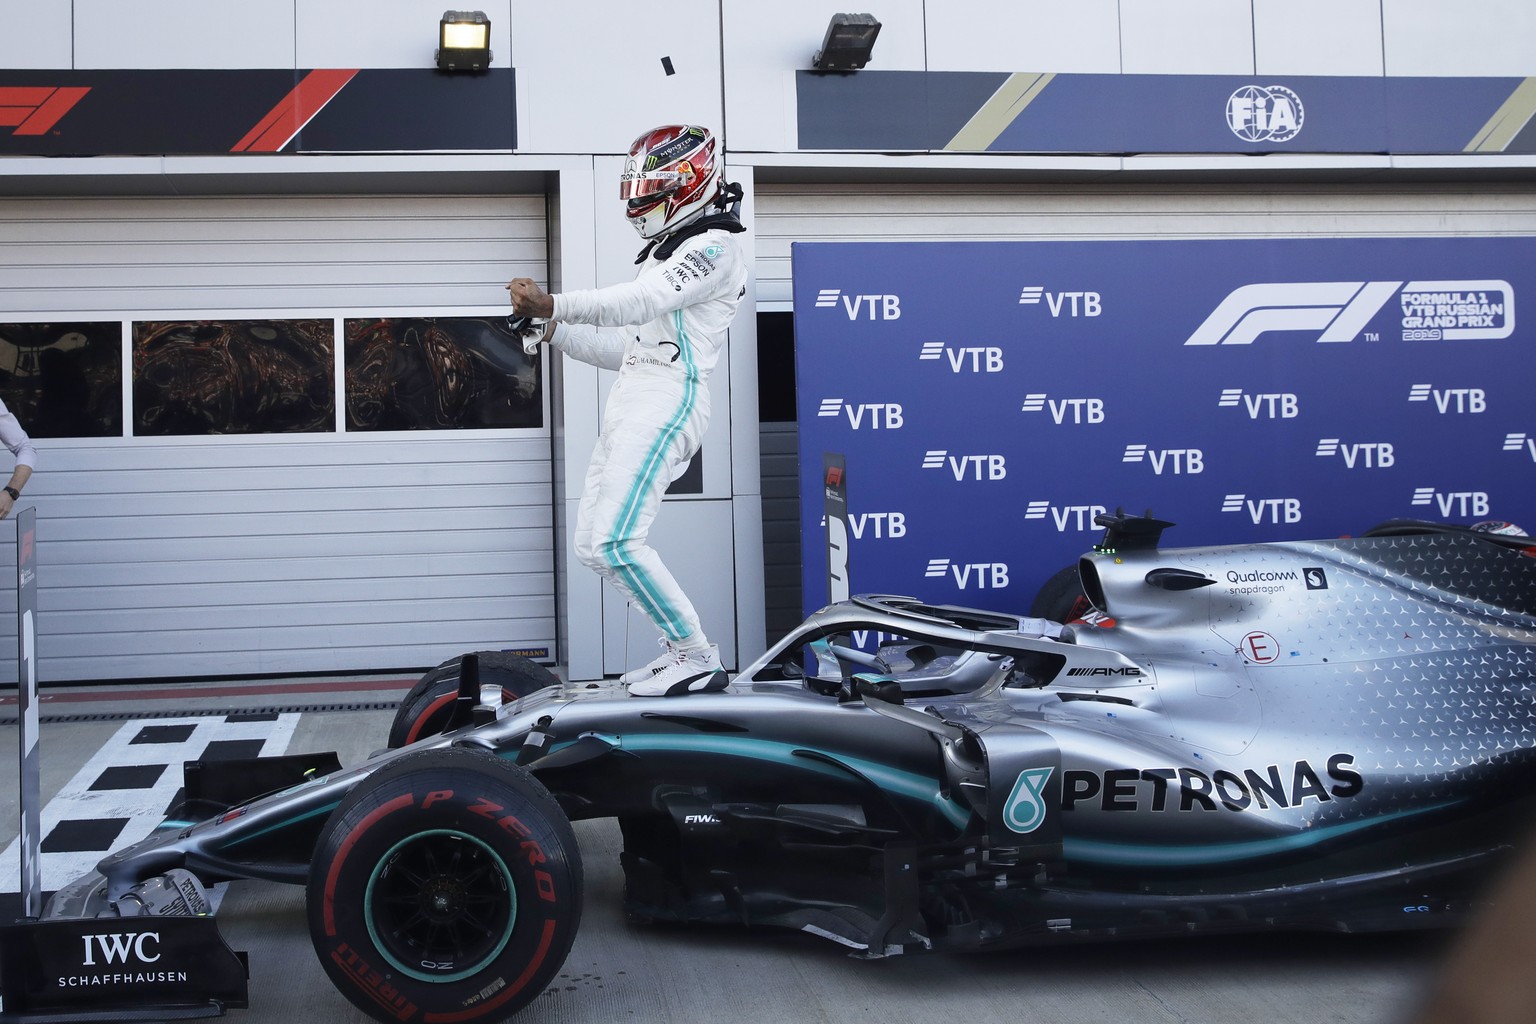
[{"x": 664, "y": 331}]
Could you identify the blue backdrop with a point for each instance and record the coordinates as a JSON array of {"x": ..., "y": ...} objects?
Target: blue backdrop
[{"x": 990, "y": 398}]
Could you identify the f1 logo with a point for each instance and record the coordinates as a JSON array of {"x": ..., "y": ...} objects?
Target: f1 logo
[
  {"x": 34, "y": 110},
  {"x": 1338, "y": 309}
]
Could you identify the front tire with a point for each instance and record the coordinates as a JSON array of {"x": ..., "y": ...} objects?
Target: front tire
[
  {"x": 448, "y": 884},
  {"x": 427, "y": 708}
]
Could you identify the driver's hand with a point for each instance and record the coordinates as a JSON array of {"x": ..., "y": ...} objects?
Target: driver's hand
[{"x": 528, "y": 299}]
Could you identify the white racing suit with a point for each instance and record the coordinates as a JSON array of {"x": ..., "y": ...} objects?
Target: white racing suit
[{"x": 657, "y": 410}]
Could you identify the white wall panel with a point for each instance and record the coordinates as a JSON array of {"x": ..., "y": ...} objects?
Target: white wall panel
[
  {"x": 1185, "y": 37},
  {"x": 1317, "y": 37},
  {"x": 386, "y": 33},
  {"x": 589, "y": 80},
  {"x": 1471, "y": 37},
  {"x": 765, "y": 44},
  {"x": 1024, "y": 35},
  {"x": 37, "y": 34},
  {"x": 183, "y": 34},
  {"x": 227, "y": 555}
]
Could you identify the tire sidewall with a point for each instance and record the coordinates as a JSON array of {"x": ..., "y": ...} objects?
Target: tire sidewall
[
  {"x": 426, "y": 707},
  {"x": 495, "y": 805}
]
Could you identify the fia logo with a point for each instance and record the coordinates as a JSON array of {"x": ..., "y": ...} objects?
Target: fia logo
[
  {"x": 1025, "y": 810},
  {"x": 1258, "y": 113}
]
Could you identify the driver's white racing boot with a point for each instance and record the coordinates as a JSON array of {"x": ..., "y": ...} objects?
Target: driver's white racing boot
[
  {"x": 644, "y": 672},
  {"x": 685, "y": 672}
]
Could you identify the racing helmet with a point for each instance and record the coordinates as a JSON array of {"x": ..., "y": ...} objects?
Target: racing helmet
[{"x": 671, "y": 177}]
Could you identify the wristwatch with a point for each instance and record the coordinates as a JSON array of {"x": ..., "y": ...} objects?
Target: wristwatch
[{"x": 13, "y": 492}]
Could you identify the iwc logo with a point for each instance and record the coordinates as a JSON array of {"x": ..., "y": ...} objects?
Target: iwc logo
[{"x": 1258, "y": 113}]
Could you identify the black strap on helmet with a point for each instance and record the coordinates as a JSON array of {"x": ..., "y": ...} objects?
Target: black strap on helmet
[{"x": 728, "y": 219}]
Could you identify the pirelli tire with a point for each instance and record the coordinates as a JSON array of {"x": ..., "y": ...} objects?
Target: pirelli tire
[
  {"x": 445, "y": 886},
  {"x": 425, "y": 710},
  {"x": 1061, "y": 598}
]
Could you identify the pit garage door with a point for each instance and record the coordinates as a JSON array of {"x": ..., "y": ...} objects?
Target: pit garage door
[{"x": 252, "y": 524}]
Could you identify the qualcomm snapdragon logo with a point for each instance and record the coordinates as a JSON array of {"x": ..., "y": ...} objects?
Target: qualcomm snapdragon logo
[
  {"x": 1265, "y": 113},
  {"x": 1340, "y": 311}
]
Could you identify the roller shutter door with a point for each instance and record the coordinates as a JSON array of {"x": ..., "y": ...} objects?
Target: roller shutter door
[{"x": 325, "y": 551}]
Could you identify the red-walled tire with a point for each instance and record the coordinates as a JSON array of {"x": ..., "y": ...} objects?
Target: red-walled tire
[
  {"x": 425, "y": 710},
  {"x": 445, "y": 887},
  {"x": 1061, "y": 598}
]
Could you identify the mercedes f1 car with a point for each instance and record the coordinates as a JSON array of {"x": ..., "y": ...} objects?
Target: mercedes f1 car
[{"x": 1302, "y": 735}]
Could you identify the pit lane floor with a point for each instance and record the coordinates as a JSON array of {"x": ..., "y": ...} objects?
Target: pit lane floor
[{"x": 622, "y": 972}]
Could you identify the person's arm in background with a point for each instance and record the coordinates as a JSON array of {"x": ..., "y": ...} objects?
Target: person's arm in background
[{"x": 15, "y": 438}]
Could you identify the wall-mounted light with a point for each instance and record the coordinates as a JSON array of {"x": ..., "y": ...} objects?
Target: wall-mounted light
[
  {"x": 849, "y": 41},
  {"x": 464, "y": 41}
]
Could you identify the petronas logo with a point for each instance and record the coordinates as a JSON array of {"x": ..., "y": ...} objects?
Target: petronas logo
[{"x": 1025, "y": 810}]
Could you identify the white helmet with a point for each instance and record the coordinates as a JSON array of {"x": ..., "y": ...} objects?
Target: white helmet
[{"x": 670, "y": 179}]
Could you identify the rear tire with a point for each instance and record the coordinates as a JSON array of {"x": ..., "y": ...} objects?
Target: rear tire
[
  {"x": 448, "y": 883},
  {"x": 1061, "y": 598},
  {"x": 426, "y": 709}
]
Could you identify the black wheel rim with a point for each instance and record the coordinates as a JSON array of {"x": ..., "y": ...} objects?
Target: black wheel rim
[{"x": 440, "y": 905}]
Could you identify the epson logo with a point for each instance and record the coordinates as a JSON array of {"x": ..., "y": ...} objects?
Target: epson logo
[
  {"x": 1472, "y": 504},
  {"x": 1451, "y": 401},
  {"x": 1087, "y": 304},
  {"x": 1365, "y": 455},
  {"x": 968, "y": 467},
  {"x": 964, "y": 359},
  {"x": 880, "y": 415},
  {"x": 1264, "y": 510},
  {"x": 1064, "y": 410},
  {"x": 969, "y": 575},
  {"x": 1274, "y": 406},
  {"x": 1182, "y": 461},
  {"x": 1102, "y": 670},
  {"x": 869, "y": 307},
  {"x": 1066, "y": 517},
  {"x": 882, "y": 525},
  {"x": 117, "y": 947},
  {"x": 1521, "y": 443},
  {"x": 1260, "y": 113}
]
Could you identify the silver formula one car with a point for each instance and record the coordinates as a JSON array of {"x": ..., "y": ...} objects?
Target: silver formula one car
[{"x": 1323, "y": 735}]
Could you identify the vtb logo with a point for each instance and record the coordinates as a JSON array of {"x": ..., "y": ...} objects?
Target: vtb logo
[
  {"x": 34, "y": 110},
  {"x": 872, "y": 307}
]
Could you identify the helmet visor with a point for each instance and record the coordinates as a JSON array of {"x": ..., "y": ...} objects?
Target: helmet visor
[{"x": 639, "y": 184}]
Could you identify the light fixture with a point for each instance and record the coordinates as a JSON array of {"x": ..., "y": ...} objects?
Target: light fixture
[
  {"x": 464, "y": 41},
  {"x": 849, "y": 41}
]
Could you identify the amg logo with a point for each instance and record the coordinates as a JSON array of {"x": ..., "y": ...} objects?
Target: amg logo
[{"x": 1103, "y": 671}]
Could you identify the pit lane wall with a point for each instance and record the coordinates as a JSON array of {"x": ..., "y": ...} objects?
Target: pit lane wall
[{"x": 991, "y": 398}]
